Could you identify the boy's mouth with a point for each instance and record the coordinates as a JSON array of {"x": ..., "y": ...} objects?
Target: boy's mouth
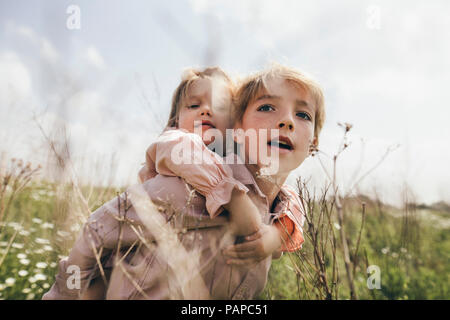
[{"x": 281, "y": 142}]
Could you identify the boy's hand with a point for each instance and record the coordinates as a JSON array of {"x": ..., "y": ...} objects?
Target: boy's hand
[{"x": 257, "y": 247}]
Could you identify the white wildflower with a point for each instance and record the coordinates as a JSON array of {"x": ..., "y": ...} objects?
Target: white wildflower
[
  {"x": 36, "y": 220},
  {"x": 30, "y": 296},
  {"x": 48, "y": 248},
  {"x": 26, "y": 290},
  {"x": 15, "y": 225},
  {"x": 17, "y": 245},
  {"x": 25, "y": 262},
  {"x": 45, "y": 286},
  {"x": 10, "y": 282},
  {"x": 41, "y": 265},
  {"x": 2, "y": 286},
  {"x": 42, "y": 241},
  {"x": 75, "y": 227},
  {"x": 32, "y": 280},
  {"x": 63, "y": 234},
  {"x": 21, "y": 256},
  {"x": 23, "y": 273},
  {"x": 337, "y": 226},
  {"x": 403, "y": 250},
  {"x": 385, "y": 250},
  {"x": 24, "y": 233},
  {"x": 3, "y": 244},
  {"x": 39, "y": 251},
  {"x": 394, "y": 255},
  {"x": 47, "y": 225},
  {"x": 40, "y": 277},
  {"x": 53, "y": 264}
]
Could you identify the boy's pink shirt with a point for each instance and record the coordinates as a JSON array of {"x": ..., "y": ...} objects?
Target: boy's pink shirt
[
  {"x": 147, "y": 272},
  {"x": 212, "y": 178}
]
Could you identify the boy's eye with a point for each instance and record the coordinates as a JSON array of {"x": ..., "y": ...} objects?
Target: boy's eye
[
  {"x": 194, "y": 106},
  {"x": 265, "y": 107},
  {"x": 304, "y": 115}
]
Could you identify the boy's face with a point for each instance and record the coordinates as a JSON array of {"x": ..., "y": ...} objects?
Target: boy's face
[
  {"x": 286, "y": 107},
  {"x": 207, "y": 105}
]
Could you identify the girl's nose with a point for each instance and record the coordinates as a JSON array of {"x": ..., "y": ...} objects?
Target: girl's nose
[{"x": 205, "y": 110}]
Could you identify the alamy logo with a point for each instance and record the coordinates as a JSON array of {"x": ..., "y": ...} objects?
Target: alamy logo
[
  {"x": 74, "y": 280},
  {"x": 373, "y": 21},
  {"x": 374, "y": 280},
  {"x": 73, "y": 22}
]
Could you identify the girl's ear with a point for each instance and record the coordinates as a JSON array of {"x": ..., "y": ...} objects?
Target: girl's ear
[{"x": 238, "y": 133}]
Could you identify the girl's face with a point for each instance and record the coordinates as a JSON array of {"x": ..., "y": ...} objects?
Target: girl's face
[
  {"x": 286, "y": 107},
  {"x": 207, "y": 105}
]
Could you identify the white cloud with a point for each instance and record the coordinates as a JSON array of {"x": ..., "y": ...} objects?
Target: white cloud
[
  {"x": 15, "y": 79},
  {"x": 94, "y": 58},
  {"x": 46, "y": 48}
]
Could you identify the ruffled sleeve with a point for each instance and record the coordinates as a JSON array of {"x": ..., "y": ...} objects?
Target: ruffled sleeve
[
  {"x": 290, "y": 221},
  {"x": 183, "y": 154}
]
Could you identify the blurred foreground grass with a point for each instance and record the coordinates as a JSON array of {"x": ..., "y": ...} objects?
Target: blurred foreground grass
[{"x": 410, "y": 246}]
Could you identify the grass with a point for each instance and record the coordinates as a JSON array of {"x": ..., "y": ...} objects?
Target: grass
[
  {"x": 347, "y": 239},
  {"x": 411, "y": 251}
]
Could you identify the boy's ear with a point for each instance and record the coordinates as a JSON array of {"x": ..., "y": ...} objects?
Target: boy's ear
[{"x": 313, "y": 145}]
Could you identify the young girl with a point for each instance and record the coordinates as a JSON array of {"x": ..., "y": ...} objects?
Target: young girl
[{"x": 149, "y": 272}]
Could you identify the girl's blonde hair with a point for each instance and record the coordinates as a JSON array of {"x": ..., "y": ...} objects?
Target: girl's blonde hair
[
  {"x": 251, "y": 86},
  {"x": 188, "y": 77}
]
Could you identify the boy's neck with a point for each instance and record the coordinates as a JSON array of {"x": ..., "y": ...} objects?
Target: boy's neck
[{"x": 270, "y": 186}]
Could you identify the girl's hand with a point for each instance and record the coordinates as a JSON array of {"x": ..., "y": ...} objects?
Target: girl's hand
[{"x": 257, "y": 247}]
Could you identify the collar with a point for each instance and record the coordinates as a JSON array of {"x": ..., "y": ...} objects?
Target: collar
[{"x": 242, "y": 174}]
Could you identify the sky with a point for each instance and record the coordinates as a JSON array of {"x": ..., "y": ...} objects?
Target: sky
[{"x": 106, "y": 71}]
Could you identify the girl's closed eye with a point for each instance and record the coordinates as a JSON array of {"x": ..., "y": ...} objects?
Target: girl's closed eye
[
  {"x": 193, "y": 106},
  {"x": 266, "y": 107},
  {"x": 303, "y": 115}
]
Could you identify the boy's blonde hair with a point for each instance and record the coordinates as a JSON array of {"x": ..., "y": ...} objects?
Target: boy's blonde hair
[
  {"x": 188, "y": 77},
  {"x": 251, "y": 86}
]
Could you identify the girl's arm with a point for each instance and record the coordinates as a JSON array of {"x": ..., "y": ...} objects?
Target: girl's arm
[
  {"x": 183, "y": 154},
  {"x": 97, "y": 240},
  {"x": 284, "y": 235}
]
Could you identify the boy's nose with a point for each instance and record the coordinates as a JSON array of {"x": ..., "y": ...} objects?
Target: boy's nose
[{"x": 286, "y": 124}]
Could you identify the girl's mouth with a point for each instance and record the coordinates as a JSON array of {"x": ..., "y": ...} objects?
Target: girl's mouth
[{"x": 205, "y": 124}]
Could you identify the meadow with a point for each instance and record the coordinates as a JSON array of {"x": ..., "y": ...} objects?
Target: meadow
[{"x": 392, "y": 253}]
